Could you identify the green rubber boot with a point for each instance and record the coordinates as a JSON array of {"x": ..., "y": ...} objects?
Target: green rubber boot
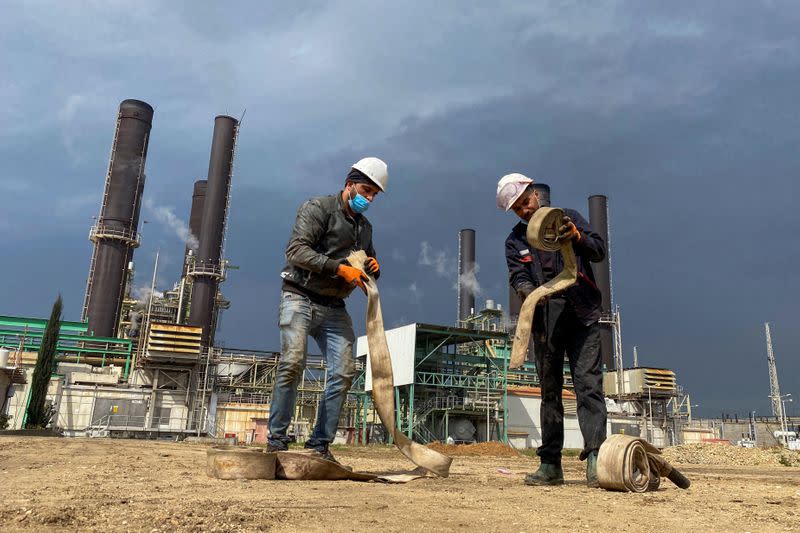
[
  {"x": 546, "y": 475},
  {"x": 591, "y": 471}
]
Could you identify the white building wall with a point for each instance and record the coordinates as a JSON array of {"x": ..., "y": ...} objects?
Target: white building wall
[
  {"x": 524, "y": 424},
  {"x": 78, "y": 405}
]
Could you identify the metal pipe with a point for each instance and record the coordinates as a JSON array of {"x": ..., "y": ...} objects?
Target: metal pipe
[
  {"x": 179, "y": 317},
  {"x": 487, "y": 403},
  {"x": 505, "y": 400},
  {"x": 203, "y": 410},
  {"x": 146, "y": 322},
  {"x": 410, "y": 409},
  {"x": 398, "y": 414},
  {"x": 365, "y": 399},
  {"x": 152, "y": 289}
]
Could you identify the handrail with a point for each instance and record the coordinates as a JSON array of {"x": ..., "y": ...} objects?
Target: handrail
[{"x": 103, "y": 231}]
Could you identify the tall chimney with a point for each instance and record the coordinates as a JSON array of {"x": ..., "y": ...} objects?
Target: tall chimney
[
  {"x": 196, "y": 216},
  {"x": 544, "y": 193},
  {"x": 466, "y": 273},
  {"x": 598, "y": 218},
  {"x": 208, "y": 268},
  {"x": 115, "y": 234}
]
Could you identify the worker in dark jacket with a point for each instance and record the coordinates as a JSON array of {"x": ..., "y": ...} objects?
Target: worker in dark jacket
[
  {"x": 316, "y": 280},
  {"x": 565, "y": 323}
]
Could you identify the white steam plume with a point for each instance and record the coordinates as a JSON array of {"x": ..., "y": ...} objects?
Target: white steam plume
[
  {"x": 445, "y": 267},
  {"x": 470, "y": 281},
  {"x": 143, "y": 294},
  {"x": 438, "y": 259},
  {"x": 166, "y": 216}
]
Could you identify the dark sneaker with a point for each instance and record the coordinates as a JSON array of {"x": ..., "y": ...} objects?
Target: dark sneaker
[
  {"x": 323, "y": 452},
  {"x": 546, "y": 475},
  {"x": 326, "y": 454},
  {"x": 591, "y": 471},
  {"x": 273, "y": 448}
]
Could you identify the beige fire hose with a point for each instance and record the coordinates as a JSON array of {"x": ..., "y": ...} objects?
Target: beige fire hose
[
  {"x": 632, "y": 464},
  {"x": 542, "y": 234},
  {"x": 232, "y": 463},
  {"x": 383, "y": 381}
]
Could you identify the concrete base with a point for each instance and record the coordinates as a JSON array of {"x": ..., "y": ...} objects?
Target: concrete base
[{"x": 30, "y": 433}]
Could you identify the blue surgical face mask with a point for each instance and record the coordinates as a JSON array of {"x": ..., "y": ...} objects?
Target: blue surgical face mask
[{"x": 359, "y": 204}]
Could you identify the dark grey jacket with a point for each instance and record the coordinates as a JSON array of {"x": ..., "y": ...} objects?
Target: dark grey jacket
[{"x": 322, "y": 237}]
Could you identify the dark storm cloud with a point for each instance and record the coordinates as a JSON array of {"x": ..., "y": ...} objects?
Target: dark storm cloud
[{"x": 684, "y": 115}]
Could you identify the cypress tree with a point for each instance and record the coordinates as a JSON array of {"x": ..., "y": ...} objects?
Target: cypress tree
[{"x": 38, "y": 414}]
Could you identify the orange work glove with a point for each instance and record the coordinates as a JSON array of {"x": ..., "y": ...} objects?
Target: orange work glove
[
  {"x": 352, "y": 275},
  {"x": 372, "y": 266},
  {"x": 568, "y": 231}
]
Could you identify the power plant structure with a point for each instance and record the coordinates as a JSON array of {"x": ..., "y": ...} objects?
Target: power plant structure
[
  {"x": 148, "y": 365},
  {"x": 137, "y": 364}
]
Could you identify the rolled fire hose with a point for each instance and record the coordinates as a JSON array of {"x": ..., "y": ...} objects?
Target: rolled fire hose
[
  {"x": 542, "y": 234},
  {"x": 383, "y": 381},
  {"x": 632, "y": 464}
]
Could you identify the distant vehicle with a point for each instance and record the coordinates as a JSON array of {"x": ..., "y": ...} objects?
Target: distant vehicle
[
  {"x": 746, "y": 443},
  {"x": 791, "y": 439}
]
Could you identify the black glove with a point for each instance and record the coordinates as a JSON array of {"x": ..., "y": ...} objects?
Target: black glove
[
  {"x": 372, "y": 267},
  {"x": 568, "y": 231},
  {"x": 525, "y": 290}
]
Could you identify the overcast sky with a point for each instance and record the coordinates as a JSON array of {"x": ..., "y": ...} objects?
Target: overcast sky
[{"x": 685, "y": 115}]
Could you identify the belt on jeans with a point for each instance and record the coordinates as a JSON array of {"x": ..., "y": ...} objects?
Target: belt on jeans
[{"x": 325, "y": 301}]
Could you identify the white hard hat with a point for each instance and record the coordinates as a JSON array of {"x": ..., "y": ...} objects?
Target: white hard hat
[
  {"x": 375, "y": 169},
  {"x": 510, "y": 188}
]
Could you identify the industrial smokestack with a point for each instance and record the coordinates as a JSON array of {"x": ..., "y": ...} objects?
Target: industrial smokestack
[
  {"x": 598, "y": 218},
  {"x": 466, "y": 273},
  {"x": 115, "y": 234},
  {"x": 544, "y": 193},
  {"x": 208, "y": 271},
  {"x": 196, "y": 216}
]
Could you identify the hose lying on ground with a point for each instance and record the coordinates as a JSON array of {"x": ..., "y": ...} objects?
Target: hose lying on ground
[
  {"x": 383, "y": 381},
  {"x": 542, "y": 234},
  {"x": 231, "y": 462},
  {"x": 632, "y": 464}
]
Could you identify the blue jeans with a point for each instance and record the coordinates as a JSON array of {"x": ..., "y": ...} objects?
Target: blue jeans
[{"x": 332, "y": 328}]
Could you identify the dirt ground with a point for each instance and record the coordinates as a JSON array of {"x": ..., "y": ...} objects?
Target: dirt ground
[{"x": 49, "y": 484}]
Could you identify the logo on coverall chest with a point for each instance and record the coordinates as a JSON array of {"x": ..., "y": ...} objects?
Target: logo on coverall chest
[{"x": 525, "y": 256}]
